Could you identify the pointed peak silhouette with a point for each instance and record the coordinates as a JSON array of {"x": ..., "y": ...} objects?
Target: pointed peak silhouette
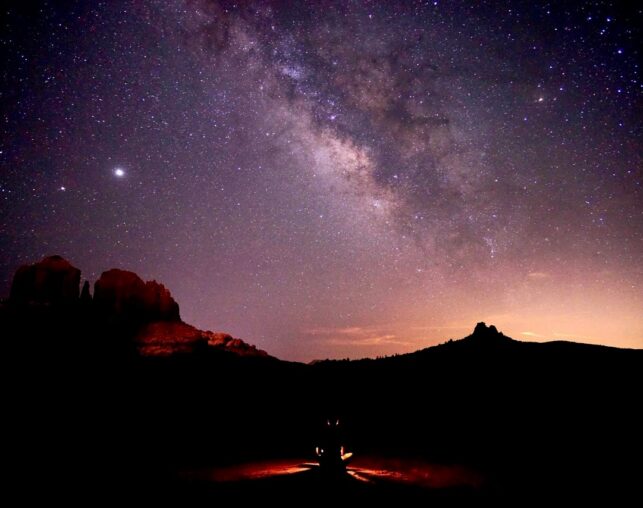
[
  {"x": 486, "y": 335},
  {"x": 482, "y": 329}
]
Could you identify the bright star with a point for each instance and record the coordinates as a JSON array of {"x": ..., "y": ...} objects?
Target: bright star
[{"x": 119, "y": 172}]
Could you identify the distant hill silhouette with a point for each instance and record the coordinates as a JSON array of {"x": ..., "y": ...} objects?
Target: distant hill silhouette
[{"x": 125, "y": 389}]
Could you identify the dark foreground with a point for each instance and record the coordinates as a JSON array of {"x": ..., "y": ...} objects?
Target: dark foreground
[{"x": 88, "y": 419}]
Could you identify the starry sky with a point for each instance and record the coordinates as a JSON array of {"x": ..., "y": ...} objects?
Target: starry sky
[{"x": 335, "y": 179}]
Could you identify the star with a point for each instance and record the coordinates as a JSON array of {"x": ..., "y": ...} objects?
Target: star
[{"x": 330, "y": 149}]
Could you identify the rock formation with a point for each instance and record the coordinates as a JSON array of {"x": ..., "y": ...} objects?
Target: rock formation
[
  {"x": 166, "y": 338},
  {"x": 85, "y": 297},
  {"x": 482, "y": 329},
  {"x": 227, "y": 342},
  {"x": 123, "y": 294},
  {"x": 53, "y": 280},
  {"x": 123, "y": 306}
]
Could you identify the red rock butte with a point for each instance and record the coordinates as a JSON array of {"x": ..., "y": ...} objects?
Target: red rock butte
[
  {"x": 121, "y": 297},
  {"x": 52, "y": 280}
]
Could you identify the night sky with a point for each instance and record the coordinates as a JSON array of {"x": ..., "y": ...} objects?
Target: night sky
[{"x": 335, "y": 179}]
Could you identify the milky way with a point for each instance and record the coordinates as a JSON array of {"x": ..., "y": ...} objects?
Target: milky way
[{"x": 332, "y": 179}]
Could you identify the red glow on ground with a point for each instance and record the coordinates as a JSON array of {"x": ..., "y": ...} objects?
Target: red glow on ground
[{"x": 365, "y": 469}]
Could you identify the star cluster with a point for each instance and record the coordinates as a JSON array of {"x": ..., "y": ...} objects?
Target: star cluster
[{"x": 331, "y": 179}]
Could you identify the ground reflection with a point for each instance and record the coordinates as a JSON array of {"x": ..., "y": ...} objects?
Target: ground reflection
[{"x": 365, "y": 469}]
